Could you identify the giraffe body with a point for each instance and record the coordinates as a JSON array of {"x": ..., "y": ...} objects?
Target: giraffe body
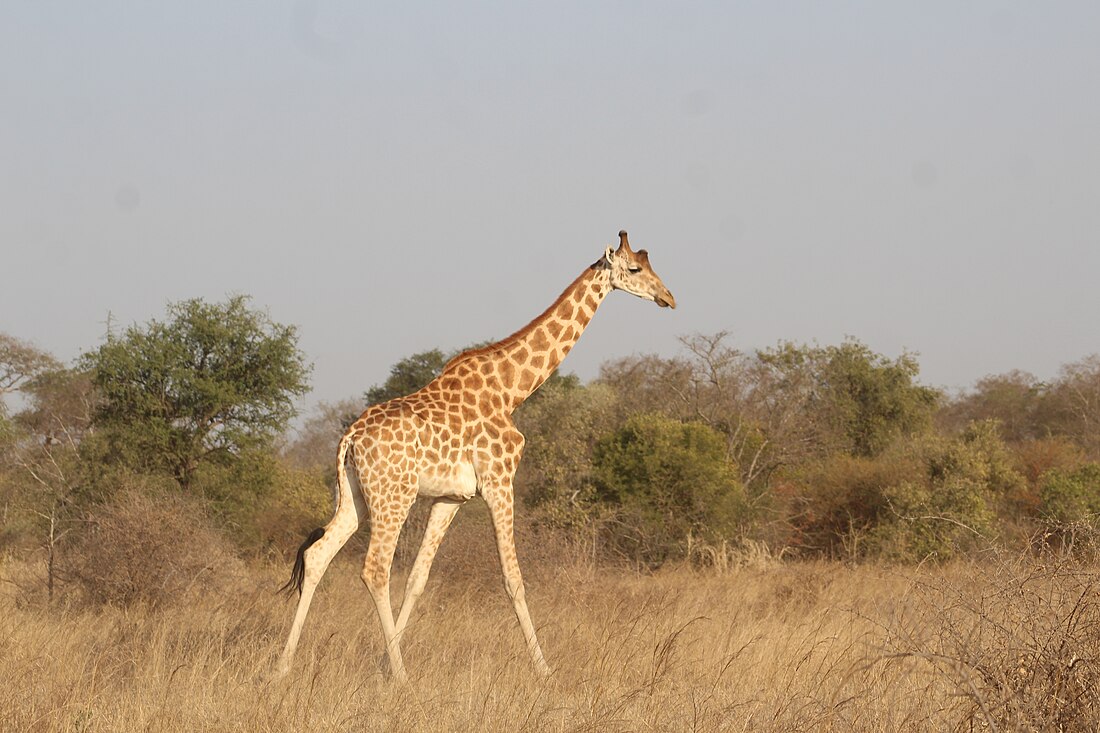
[{"x": 450, "y": 441}]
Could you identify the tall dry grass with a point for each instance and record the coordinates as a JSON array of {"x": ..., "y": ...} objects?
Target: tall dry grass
[{"x": 786, "y": 647}]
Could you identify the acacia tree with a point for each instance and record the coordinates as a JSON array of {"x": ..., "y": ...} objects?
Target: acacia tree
[
  {"x": 37, "y": 448},
  {"x": 210, "y": 382},
  {"x": 57, "y": 419},
  {"x": 20, "y": 362}
]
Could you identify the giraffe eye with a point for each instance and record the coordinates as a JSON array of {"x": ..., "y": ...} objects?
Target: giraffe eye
[{"x": 633, "y": 270}]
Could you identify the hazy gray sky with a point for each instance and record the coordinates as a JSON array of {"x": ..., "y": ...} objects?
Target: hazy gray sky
[{"x": 397, "y": 177}]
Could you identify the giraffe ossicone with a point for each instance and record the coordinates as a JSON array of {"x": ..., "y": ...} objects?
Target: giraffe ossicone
[{"x": 450, "y": 441}]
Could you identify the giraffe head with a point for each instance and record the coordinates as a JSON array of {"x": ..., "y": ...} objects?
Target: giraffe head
[{"x": 631, "y": 272}]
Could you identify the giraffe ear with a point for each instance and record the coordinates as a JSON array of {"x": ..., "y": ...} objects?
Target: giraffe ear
[{"x": 608, "y": 255}]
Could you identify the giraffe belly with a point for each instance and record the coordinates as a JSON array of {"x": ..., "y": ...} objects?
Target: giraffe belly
[{"x": 455, "y": 482}]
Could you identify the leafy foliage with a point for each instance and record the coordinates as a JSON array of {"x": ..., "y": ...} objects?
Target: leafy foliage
[
  {"x": 669, "y": 481},
  {"x": 1071, "y": 405},
  {"x": 565, "y": 421},
  {"x": 1014, "y": 399},
  {"x": 857, "y": 401},
  {"x": 20, "y": 362},
  {"x": 953, "y": 503},
  {"x": 212, "y": 381},
  {"x": 1069, "y": 497},
  {"x": 833, "y": 505},
  {"x": 826, "y": 450}
]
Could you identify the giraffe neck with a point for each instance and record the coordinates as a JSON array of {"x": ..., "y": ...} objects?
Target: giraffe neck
[{"x": 519, "y": 364}]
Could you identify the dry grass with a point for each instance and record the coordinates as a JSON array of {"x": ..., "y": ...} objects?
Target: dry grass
[{"x": 813, "y": 647}]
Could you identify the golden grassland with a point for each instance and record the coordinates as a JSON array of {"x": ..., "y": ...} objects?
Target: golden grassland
[{"x": 1004, "y": 643}]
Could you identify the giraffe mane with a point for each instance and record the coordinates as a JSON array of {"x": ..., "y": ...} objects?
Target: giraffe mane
[{"x": 521, "y": 333}]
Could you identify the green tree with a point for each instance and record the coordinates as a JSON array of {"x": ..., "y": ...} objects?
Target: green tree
[
  {"x": 41, "y": 493},
  {"x": 670, "y": 481},
  {"x": 60, "y": 403},
  {"x": 1013, "y": 399},
  {"x": 562, "y": 423},
  {"x": 852, "y": 398},
  {"x": 199, "y": 388},
  {"x": 20, "y": 362},
  {"x": 1071, "y": 405}
]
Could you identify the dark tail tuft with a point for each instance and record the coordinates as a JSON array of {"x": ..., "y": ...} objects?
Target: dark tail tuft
[{"x": 298, "y": 574}]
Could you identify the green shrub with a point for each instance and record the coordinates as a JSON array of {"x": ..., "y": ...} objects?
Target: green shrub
[
  {"x": 933, "y": 519},
  {"x": 668, "y": 482},
  {"x": 299, "y": 499},
  {"x": 952, "y": 504},
  {"x": 1071, "y": 497}
]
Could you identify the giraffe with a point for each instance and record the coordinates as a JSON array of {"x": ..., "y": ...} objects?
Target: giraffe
[{"x": 448, "y": 442}]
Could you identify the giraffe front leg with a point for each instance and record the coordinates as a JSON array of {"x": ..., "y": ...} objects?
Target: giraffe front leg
[
  {"x": 376, "y": 576},
  {"x": 501, "y": 508},
  {"x": 443, "y": 511}
]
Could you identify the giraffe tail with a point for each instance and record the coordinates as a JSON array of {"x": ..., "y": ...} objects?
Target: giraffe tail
[{"x": 298, "y": 572}]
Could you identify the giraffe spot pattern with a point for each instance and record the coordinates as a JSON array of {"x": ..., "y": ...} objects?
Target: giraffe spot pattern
[{"x": 455, "y": 437}]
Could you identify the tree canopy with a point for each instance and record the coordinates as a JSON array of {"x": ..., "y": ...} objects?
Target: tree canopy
[{"x": 212, "y": 380}]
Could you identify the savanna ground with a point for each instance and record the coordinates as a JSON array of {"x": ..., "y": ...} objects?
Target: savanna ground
[
  {"x": 935, "y": 562},
  {"x": 998, "y": 642}
]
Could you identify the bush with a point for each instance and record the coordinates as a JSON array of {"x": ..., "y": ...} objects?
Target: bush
[
  {"x": 952, "y": 503},
  {"x": 299, "y": 500},
  {"x": 834, "y": 504},
  {"x": 669, "y": 483},
  {"x": 1034, "y": 459},
  {"x": 1071, "y": 497},
  {"x": 231, "y": 492},
  {"x": 933, "y": 519},
  {"x": 151, "y": 546},
  {"x": 562, "y": 427}
]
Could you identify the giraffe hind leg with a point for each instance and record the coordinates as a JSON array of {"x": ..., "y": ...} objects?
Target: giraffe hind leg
[{"x": 310, "y": 565}]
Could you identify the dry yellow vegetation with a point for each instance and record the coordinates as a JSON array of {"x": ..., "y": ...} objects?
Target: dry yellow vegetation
[{"x": 1000, "y": 644}]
